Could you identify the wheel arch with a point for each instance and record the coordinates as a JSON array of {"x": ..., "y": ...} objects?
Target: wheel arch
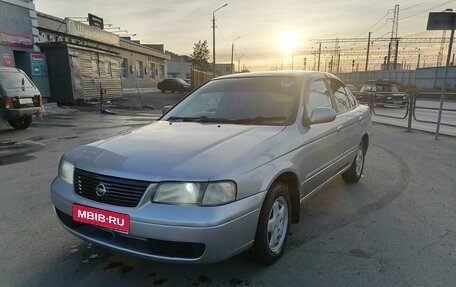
[{"x": 291, "y": 180}]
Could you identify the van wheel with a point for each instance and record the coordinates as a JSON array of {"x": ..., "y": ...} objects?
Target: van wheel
[
  {"x": 273, "y": 223},
  {"x": 353, "y": 174},
  {"x": 21, "y": 123}
]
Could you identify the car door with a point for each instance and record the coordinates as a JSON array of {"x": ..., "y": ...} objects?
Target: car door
[
  {"x": 319, "y": 141},
  {"x": 348, "y": 121}
]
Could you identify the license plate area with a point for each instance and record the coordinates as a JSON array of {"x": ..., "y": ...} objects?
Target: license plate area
[
  {"x": 25, "y": 101},
  {"x": 100, "y": 217}
]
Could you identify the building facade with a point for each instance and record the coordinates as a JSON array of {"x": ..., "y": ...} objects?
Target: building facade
[
  {"x": 141, "y": 65},
  {"x": 85, "y": 62},
  {"x": 18, "y": 41}
]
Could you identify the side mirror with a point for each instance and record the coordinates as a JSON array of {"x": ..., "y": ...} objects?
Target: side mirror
[
  {"x": 322, "y": 115},
  {"x": 166, "y": 109}
]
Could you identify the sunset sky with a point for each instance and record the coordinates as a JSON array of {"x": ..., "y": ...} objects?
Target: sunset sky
[{"x": 264, "y": 26}]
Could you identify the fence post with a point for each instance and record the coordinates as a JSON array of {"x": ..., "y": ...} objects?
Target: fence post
[{"x": 411, "y": 108}]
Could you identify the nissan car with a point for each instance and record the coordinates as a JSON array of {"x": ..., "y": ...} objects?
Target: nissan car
[{"x": 223, "y": 171}]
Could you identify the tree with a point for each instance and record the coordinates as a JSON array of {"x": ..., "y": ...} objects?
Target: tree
[{"x": 200, "y": 56}]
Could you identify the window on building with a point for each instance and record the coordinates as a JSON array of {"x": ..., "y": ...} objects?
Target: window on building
[
  {"x": 108, "y": 69},
  {"x": 152, "y": 73},
  {"x": 95, "y": 68},
  {"x": 139, "y": 69},
  {"x": 161, "y": 72},
  {"x": 124, "y": 68}
]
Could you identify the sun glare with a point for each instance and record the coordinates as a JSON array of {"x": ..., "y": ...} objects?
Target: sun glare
[{"x": 287, "y": 41}]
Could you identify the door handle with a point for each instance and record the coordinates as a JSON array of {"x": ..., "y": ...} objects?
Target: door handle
[{"x": 339, "y": 128}]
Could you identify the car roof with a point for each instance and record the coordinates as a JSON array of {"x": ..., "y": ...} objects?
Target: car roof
[
  {"x": 305, "y": 74},
  {"x": 382, "y": 82}
]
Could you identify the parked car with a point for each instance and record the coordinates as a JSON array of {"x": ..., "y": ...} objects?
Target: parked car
[
  {"x": 174, "y": 85},
  {"x": 223, "y": 171},
  {"x": 382, "y": 92},
  {"x": 20, "y": 99}
]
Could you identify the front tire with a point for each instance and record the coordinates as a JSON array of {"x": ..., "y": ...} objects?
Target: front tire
[
  {"x": 163, "y": 91},
  {"x": 353, "y": 174},
  {"x": 21, "y": 123},
  {"x": 273, "y": 223}
]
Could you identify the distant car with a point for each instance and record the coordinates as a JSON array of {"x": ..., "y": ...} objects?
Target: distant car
[
  {"x": 382, "y": 93},
  {"x": 20, "y": 99},
  {"x": 223, "y": 171},
  {"x": 174, "y": 85}
]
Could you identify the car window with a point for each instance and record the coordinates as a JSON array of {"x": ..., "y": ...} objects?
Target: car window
[
  {"x": 351, "y": 97},
  {"x": 341, "y": 99},
  {"x": 13, "y": 80},
  {"x": 265, "y": 100},
  {"x": 319, "y": 96}
]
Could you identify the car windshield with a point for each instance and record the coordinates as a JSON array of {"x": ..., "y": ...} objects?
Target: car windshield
[
  {"x": 13, "y": 80},
  {"x": 249, "y": 100}
]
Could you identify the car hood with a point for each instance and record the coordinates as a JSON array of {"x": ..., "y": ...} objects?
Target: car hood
[{"x": 180, "y": 151}]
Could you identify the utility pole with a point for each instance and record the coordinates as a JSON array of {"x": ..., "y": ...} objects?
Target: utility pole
[
  {"x": 418, "y": 63},
  {"x": 213, "y": 38},
  {"x": 395, "y": 54},
  {"x": 232, "y": 53},
  {"x": 338, "y": 63},
  {"x": 319, "y": 54},
  {"x": 368, "y": 48},
  {"x": 336, "y": 53}
]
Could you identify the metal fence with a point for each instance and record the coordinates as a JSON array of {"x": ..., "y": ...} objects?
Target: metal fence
[{"x": 422, "y": 107}]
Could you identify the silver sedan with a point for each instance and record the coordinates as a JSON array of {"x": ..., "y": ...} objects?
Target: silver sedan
[{"x": 222, "y": 172}]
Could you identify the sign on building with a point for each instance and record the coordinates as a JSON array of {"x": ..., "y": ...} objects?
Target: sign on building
[{"x": 96, "y": 21}]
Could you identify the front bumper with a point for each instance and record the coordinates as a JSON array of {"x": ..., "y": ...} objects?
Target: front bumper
[{"x": 170, "y": 233}]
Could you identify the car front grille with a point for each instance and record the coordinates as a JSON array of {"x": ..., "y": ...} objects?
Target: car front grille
[{"x": 119, "y": 191}]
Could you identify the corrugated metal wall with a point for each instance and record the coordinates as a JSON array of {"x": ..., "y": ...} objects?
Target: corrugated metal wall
[{"x": 94, "y": 70}]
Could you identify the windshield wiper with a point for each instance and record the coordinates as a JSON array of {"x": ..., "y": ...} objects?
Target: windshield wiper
[
  {"x": 201, "y": 119},
  {"x": 260, "y": 120}
]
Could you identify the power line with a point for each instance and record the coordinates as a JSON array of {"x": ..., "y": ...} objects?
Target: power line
[
  {"x": 413, "y": 6},
  {"x": 427, "y": 10},
  {"x": 375, "y": 24}
]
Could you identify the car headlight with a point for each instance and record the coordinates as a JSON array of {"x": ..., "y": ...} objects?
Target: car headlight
[
  {"x": 207, "y": 194},
  {"x": 66, "y": 171}
]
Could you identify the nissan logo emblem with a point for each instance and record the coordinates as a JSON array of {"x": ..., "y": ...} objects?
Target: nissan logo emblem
[{"x": 100, "y": 190}]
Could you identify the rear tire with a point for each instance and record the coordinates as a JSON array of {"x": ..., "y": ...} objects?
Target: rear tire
[
  {"x": 353, "y": 174},
  {"x": 21, "y": 123},
  {"x": 273, "y": 224}
]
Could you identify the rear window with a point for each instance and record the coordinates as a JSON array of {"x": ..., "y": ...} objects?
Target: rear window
[{"x": 13, "y": 80}]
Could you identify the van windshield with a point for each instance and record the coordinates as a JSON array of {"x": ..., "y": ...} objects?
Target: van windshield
[{"x": 13, "y": 80}]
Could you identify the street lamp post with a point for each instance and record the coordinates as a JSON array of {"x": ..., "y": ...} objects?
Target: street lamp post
[
  {"x": 239, "y": 63},
  {"x": 213, "y": 37},
  {"x": 232, "y": 53}
]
